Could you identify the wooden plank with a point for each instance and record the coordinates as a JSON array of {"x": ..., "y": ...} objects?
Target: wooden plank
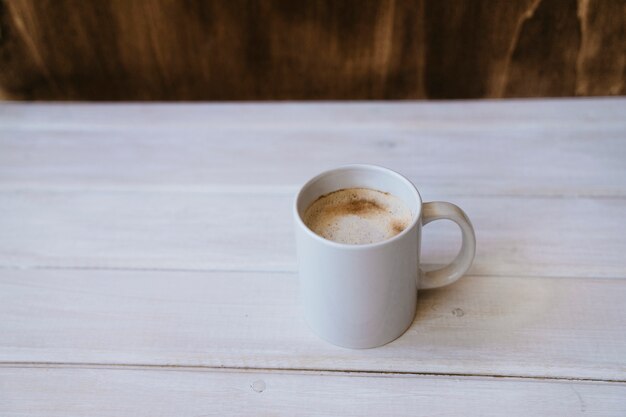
[
  {"x": 64, "y": 392},
  {"x": 253, "y": 231},
  {"x": 547, "y": 148},
  {"x": 533, "y": 327},
  {"x": 467, "y": 115},
  {"x": 520, "y": 162}
]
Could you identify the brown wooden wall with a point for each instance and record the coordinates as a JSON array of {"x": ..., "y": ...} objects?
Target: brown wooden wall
[{"x": 320, "y": 49}]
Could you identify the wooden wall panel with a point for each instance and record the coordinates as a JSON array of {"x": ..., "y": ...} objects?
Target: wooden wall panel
[
  {"x": 322, "y": 49},
  {"x": 544, "y": 59},
  {"x": 602, "y": 58},
  {"x": 469, "y": 46}
]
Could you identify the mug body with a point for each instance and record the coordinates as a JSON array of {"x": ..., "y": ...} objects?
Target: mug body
[{"x": 359, "y": 296}]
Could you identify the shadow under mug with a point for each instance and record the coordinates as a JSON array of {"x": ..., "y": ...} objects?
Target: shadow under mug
[{"x": 363, "y": 296}]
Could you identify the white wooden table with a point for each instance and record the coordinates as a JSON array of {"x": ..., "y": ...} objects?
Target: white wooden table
[{"x": 147, "y": 264}]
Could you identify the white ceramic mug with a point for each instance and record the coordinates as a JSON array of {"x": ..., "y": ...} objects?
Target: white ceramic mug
[{"x": 363, "y": 296}]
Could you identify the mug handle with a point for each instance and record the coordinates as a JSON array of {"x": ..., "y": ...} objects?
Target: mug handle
[{"x": 437, "y": 210}]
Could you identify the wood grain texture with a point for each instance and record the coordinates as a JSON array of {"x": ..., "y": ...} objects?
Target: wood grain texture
[
  {"x": 468, "y": 59},
  {"x": 103, "y": 392},
  {"x": 531, "y": 327},
  {"x": 180, "y": 179},
  {"x": 546, "y": 68},
  {"x": 556, "y": 148},
  {"x": 253, "y": 231},
  {"x": 133, "y": 241},
  {"x": 259, "y": 50},
  {"x": 603, "y": 26}
]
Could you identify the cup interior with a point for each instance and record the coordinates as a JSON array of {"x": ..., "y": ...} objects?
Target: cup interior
[{"x": 360, "y": 176}]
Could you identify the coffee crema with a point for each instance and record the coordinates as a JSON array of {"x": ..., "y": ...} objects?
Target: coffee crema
[{"x": 357, "y": 216}]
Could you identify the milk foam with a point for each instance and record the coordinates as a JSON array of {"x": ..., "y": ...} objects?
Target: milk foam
[{"x": 357, "y": 216}]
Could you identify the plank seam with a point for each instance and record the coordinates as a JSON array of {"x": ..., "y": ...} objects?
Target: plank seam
[
  {"x": 339, "y": 372},
  {"x": 264, "y": 271},
  {"x": 280, "y": 191}
]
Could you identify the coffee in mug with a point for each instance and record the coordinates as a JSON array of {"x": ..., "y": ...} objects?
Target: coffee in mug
[{"x": 357, "y": 216}]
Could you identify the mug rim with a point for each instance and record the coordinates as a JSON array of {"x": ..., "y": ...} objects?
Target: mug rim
[{"x": 378, "y": 168}]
